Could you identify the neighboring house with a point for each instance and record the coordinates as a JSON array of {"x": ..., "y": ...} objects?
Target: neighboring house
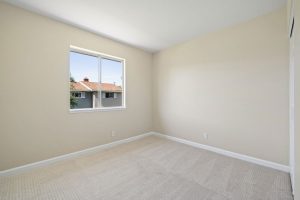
[{"x": 87, "y": 94}]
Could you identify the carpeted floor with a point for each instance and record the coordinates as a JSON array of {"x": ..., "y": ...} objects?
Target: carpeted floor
[{"x": 150, "y": 168}]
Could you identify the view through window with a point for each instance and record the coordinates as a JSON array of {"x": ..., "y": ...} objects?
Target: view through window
[{"x": 96, "y": 81}]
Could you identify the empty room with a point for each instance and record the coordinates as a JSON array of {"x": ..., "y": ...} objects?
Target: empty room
[{"x": 149, "y": 100}]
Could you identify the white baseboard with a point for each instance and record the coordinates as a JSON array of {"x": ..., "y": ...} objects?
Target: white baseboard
[
  {"x": 46, "y": 162},
  {"x": 228, "y": 153},
  {"x": 26, "y": 167}
]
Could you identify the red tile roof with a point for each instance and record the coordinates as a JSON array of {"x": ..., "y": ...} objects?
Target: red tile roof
[
  {"x": 86, "y": 86},
  {"x": 76, "y": 86}
]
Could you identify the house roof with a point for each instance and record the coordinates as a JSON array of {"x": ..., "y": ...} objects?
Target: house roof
[
  {"x": 76, "y": 86},
  {"x": 86, "y": 86}
]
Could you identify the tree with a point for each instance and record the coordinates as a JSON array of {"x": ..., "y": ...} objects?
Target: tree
[{"x": 73, "y": 101}]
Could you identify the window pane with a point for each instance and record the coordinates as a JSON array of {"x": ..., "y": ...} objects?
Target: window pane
[
  {"x": 95, "y": 82},
  {"x": 112, "y": 82},
  {"x": 84, "y": 80}
]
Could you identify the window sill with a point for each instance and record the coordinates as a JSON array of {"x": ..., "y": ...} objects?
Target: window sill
[{"x": 82, "y": 110}]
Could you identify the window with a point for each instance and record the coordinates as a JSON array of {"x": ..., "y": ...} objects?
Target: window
[
  {"x": 109, "y": 95},
  {"x": 96, "y": 81},
  {"x": 78, "y": 94}
]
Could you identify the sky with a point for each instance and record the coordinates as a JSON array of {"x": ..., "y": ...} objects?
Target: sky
[{"x": 82, "y": 66}]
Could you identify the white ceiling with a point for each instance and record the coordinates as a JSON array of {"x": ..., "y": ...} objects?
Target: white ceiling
[{"x": 151, "y": 24}]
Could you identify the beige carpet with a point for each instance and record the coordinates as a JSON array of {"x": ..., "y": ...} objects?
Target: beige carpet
[{"x": 150, "y": 168}]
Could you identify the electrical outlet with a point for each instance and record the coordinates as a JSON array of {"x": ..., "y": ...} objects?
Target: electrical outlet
[
  {"x": 205, "y": 135},
  {"x": 113, "y": 133}
]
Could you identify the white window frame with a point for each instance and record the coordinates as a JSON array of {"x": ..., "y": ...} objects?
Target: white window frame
[{"x": 101, "y": 55}]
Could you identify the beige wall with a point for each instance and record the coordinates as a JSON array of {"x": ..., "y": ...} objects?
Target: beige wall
[
  {"x": 35, "y": 122},
  {"x": 231, "y": 84}
]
